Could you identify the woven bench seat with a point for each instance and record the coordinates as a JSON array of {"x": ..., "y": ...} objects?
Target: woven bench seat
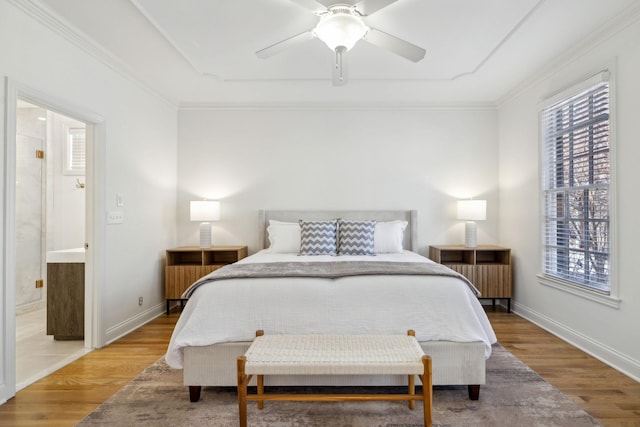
[{"x": 334, "y": 355}]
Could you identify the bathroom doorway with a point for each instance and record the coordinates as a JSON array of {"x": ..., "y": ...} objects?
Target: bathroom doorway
[{"x": 49, "y": 222}]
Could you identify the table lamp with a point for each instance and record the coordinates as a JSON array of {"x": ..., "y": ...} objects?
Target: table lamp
[
  {"x": 205, "y": 211},
  {"x": 471, "y": 211}
]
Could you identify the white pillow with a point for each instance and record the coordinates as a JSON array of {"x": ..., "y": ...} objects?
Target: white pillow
[
  {"x": 284, "y": 237},
  {"x": 388, "y": 236}
]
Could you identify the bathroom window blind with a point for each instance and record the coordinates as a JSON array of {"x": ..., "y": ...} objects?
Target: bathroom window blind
[
  {"x": 76, "y": 152},
  {"x": 576, "y": 177}
]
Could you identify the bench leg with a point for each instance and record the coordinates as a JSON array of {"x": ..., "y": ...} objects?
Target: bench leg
[
  {"x": 412, "y": 379},
  {"x": 260, "y": 390},
  {"x": 412, "y": 391},
  {"x": 243, "y": 380},
  {"x": 427, "y": 390}
]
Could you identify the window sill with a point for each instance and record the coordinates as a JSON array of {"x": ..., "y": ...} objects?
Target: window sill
[{"x": 561, "y": 285}]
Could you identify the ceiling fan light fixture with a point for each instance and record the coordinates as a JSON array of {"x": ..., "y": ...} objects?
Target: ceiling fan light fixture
[{"x": 340, "y": 28}]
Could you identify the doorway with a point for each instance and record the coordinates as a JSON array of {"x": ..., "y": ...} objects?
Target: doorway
[
  {"x": 94, "y": 335},
  {"x": 49, "y": 222}
]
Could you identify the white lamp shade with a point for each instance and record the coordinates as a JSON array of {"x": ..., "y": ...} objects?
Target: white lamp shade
[
  {"x": 205, "y": 210},
  {"x": 472, "y": 210},
  {"x": 340, "y": 30}
]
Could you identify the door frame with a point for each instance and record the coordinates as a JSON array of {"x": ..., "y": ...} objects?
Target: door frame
[{"x": 94, "y": 233}]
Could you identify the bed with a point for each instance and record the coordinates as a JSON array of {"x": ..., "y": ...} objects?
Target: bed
[{"x": 388, "y": 293}]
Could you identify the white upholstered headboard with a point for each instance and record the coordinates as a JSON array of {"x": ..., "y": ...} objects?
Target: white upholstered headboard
[{"x": 410, "y": 241}]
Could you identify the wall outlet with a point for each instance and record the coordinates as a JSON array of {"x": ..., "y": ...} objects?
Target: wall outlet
[
  {"x": 115, "y": 217},
  {"x": 140, "y": 301}
]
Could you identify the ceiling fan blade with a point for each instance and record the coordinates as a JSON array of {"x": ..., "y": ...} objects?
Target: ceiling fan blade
[
  {"x": 276, "y": 48},
  {"x": 394, "y": 44},
  {"x": 369, "y": 7},
  {"x": 311, "y": 5}
]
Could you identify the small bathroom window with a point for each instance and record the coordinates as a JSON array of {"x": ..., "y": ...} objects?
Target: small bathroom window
[{"x": 75, "y": 154}]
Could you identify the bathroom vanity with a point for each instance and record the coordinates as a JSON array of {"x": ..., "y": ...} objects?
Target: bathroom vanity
[{"x": 65, "y": 294}]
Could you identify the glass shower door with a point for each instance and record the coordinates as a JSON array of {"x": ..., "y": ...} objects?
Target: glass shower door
[{"x": 29, "y": 219}]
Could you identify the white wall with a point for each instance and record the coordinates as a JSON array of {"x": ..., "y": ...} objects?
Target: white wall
[
  {"x": 337, "y": 159},
  {"x": 609, "y": 333},
  {"x": 140, "y": 147}
]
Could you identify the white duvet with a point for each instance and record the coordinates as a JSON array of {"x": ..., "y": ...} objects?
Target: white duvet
[{"x": 438, "y": 308}]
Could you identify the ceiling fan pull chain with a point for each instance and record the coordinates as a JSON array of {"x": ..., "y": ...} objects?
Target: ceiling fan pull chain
[{"x": 339, "y": 51}]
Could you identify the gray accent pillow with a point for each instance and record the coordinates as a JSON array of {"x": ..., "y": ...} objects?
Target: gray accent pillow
[
  {"x": 318, "y": 237},
  {"x": 356, "y": 237}
]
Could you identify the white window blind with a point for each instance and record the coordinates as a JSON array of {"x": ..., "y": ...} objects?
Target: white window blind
[
  {"x": 576, "y": 177},
  {"x": 76, "y": 152}
]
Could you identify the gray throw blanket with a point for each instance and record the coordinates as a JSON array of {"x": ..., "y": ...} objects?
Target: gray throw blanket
[{"x": 327, "y": 270}]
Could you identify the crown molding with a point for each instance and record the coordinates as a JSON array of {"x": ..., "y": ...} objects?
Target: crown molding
[
  {"x": 194, "y": 106},
  {"x": 167, "y": 36},
  {"x": 606, "y": 31},
  {"x": 502, "y": 42},
  {"x": 56, "y": 23}
]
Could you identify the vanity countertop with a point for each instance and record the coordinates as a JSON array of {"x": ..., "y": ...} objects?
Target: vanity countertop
[{"x": 75, "y": 255}]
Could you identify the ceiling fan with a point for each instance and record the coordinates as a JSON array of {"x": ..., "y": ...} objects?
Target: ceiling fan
[{"x": 340, "y": 27}]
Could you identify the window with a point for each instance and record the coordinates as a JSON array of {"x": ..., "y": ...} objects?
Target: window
[
  {"x": 75, "y": 152},
  {"x": 576, "y": 179}
]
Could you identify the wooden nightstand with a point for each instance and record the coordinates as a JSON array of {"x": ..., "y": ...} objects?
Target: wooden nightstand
[
  {"x": 185, "y": 265},
  {"x": 487, "y": 267}
]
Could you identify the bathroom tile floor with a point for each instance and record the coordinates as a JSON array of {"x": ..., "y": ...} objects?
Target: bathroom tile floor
[{"x": 38, "y": 354}]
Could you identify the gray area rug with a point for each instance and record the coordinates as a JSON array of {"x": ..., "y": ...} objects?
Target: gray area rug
[{"x": 513, "y": 396}]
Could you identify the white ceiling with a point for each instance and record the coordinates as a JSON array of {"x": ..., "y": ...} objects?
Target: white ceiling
[{"x": 203, "y": 51}]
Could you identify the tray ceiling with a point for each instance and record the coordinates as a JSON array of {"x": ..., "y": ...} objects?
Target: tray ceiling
[{"x": 203, "y": 51}]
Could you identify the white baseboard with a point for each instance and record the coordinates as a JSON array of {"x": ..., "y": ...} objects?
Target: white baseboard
[
  {"x": 32, "y": 306},
  {"x": 123, "y": 328},
  {"x": 605, "y": 354}
]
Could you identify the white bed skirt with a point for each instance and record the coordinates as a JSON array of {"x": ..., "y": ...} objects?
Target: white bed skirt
[{"x": 453, "y": 364}]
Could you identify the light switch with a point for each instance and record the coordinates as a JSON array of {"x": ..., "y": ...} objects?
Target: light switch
[
  {"x": 119, "y": 200},
  {"x": 115, "y": 217}
]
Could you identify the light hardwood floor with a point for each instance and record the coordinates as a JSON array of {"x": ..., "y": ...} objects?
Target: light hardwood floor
[
  {"x": 38, "y": 354},
  {"x": 66, "y": 396}
]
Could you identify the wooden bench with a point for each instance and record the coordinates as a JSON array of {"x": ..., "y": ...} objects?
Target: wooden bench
[{"x": 334, "y": 355}]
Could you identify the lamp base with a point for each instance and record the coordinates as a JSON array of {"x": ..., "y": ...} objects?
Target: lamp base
[
  {"x": 205, "y": 235},
  {"x": 470, "y": 235}
]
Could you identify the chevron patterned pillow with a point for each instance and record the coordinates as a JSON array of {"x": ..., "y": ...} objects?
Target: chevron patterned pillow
[
  {"x": 355, "y": 237},
  {"x": 318, "y": 237}
]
